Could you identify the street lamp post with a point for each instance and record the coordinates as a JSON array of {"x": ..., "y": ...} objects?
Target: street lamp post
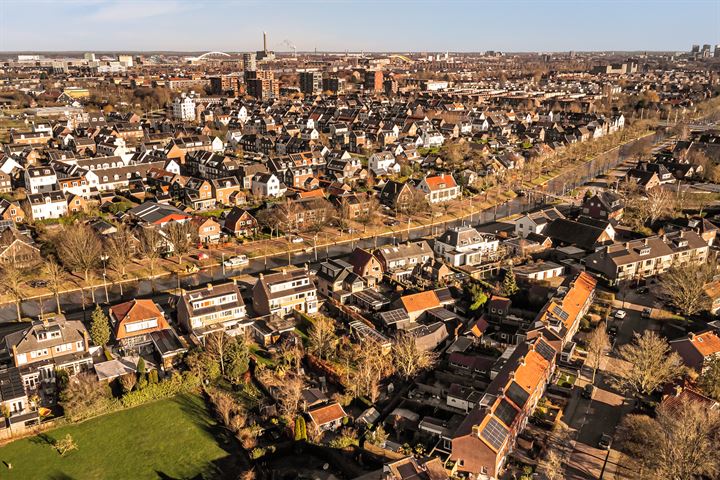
[{"x": 107, "y": 300}]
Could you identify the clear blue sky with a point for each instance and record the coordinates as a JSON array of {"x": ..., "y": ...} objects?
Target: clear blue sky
[{"x": 397, "y": 25}]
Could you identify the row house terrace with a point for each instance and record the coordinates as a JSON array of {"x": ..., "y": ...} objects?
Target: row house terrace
[
  {"x": 648, "y": 257},
  {"x": 482, "y": 443}
]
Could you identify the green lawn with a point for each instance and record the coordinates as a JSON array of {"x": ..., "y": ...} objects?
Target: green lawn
[{"x": 174, "y": 438}]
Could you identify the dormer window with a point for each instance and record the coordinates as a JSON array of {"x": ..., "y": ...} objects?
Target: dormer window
[{"x": 645, "y": 251}]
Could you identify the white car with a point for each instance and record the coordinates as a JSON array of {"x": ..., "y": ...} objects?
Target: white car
[
  {"x": 297, "y": 240},
  {"x": 237, "y": 261},
  {"x": 620, "y": 314}
]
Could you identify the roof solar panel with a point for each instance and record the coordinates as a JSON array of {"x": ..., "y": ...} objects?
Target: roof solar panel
[
  {"x": 517, "y": 395},
  {"x": 495, "y": 433},
  {"x": 560, "y": 312},
  {"x": 545, "y": 350},
  {"x": 506, "y": 412}
]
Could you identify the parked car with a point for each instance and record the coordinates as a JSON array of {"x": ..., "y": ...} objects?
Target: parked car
[
  {"x": 612, "y": 331},
  {"x": 38, "y": 283},
  {"x": 392, "y": 223},
  {"x": 642, "y": 291},
  {"x": 297, "y": 240},
  {"x": 646, "y": 312},
  {"x": 237, "y": 261},
  {"x": 620, "y": 314},
  {"x": 588, "y": 391},
  {"x": 605, "y": 441}
]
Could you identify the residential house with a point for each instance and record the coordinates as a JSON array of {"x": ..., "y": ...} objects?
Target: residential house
[
  {"x": 283, "y": 292},
  {"x": 366, "y": 265},
  {"x": 11, "y": 211},
  {"x": 267, "y": 185},
  {"x": 213, "y": 308},
  {"x": 463, "y": 245},
  {"x": 697, "y": 349},
  {"x": 40, "y": 179},
  {"x": 536, "y": 222},
  {"x": 17, "y": 248},
  {"x": 47, "y": 205},
  {"x": 400, "y": 261},
  {"x": 209, "y": 230},
  {"x": 327, "y": 417},
  {"x": 241, "y": 223},
  {"x": 439, "y": 188},
  {"x": 605, "y": 205},
  {"x": 134, "y": 322},
  {"x": 336, "y": 280},
  {"x": 43, "y": 347}
]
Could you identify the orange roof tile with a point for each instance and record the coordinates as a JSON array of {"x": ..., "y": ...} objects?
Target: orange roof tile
[
  {"x": 326, "y": 414},
  {"x": 440, "y": 182},
  {"x": 706, "y": 343},
  {"x": 137, "y": 311},
  {"x": 420, "y": 301}
]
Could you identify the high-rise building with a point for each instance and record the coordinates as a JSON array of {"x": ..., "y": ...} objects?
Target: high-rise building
[
  {"x": 390, "y": 85},
  {"x": 695, "y": 49},
  {"x": 249, "y": 62},
  {"x": 717, "y": 51},
  {"x": 261, "y": 84},
  {"x": 332, "y": 84},
  {"x": 90, "y": 57},
  {"x": 373, "y": 80},
  {"x": 311, "y": 82},
  {"x": 223, "y": 84}
]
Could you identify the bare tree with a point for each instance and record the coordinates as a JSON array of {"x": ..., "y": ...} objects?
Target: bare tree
[
  {"x": 11, "y": 280},
  {"x": 659, "y": 203},
  {"x": 598, "y": 342},
  {"x": 180, "y": 236},
  {"x": 216, "y": 344},
  {"x": 56, "y": 276},
  {"x": 150, "y": 248},
  {"x": 685, "y": 287},
  {"x": 290, "y": 394},
  {"x": 322, "y": 337},
  {"x": 80, "y": 249},
  {"x": 648, "y": 363},
  {"x": 408, "y": 359},
  {"x": 120, "y": 251},
  {"x": 681, "y": 443},
  {"x": 270, "y": 219}
]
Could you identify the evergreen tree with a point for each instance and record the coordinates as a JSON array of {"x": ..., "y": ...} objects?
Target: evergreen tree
[
  {"x": 509, "y": 284},
  {"x": 99, "y": 327},
  {"x": 300, "y": 429},
  {"x": 142, "y": 378}
]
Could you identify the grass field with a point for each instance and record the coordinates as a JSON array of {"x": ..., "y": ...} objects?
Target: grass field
[{"x": 174, "y": 438}]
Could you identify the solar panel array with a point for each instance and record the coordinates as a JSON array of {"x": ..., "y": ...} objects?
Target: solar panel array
[
  {"x": 545, "y": 350},
  {"x": 560, "y": 313},
  {"x": 506, "y": 412},
  {"x": 517, "y": 394},
  {"x": 495, "y": 433}
]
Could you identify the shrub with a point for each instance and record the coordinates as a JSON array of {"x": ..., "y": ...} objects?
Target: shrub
[
  {"x": 153, "y": 376},
  {"x": 300, "y": 429},
  {"x": 177, "y": 383},
  {"x": 257, "y": 452}
]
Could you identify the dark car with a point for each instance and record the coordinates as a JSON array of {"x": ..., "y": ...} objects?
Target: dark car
[
  {"x": 605, "y": 441},
  {"x": 38, "y": 283},
  {"x": 588, "y": 391},
  {"x": 612, "y": 331},
  {"x": 642, "y": 290},
  {"x": 646, "y": 312}
]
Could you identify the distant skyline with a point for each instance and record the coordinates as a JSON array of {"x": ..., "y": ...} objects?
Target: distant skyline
[{"x": 370, "y": 25}]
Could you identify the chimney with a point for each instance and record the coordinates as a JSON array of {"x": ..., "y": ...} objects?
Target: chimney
[
  {"x": 691, "y": 336},
  {"x": 678, "y": 390},
  {"x": 209, "y": 287},
  {"x": 261, "y": 277},
  {"x": 284, "y": 271},
  {"x": 264, "y": 41},
  {"x": 646, "y": 241},
  {"x": 627, "y": 245}
]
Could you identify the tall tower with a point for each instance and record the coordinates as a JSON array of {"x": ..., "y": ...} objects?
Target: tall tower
[{"x": 264, "y": 41}]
